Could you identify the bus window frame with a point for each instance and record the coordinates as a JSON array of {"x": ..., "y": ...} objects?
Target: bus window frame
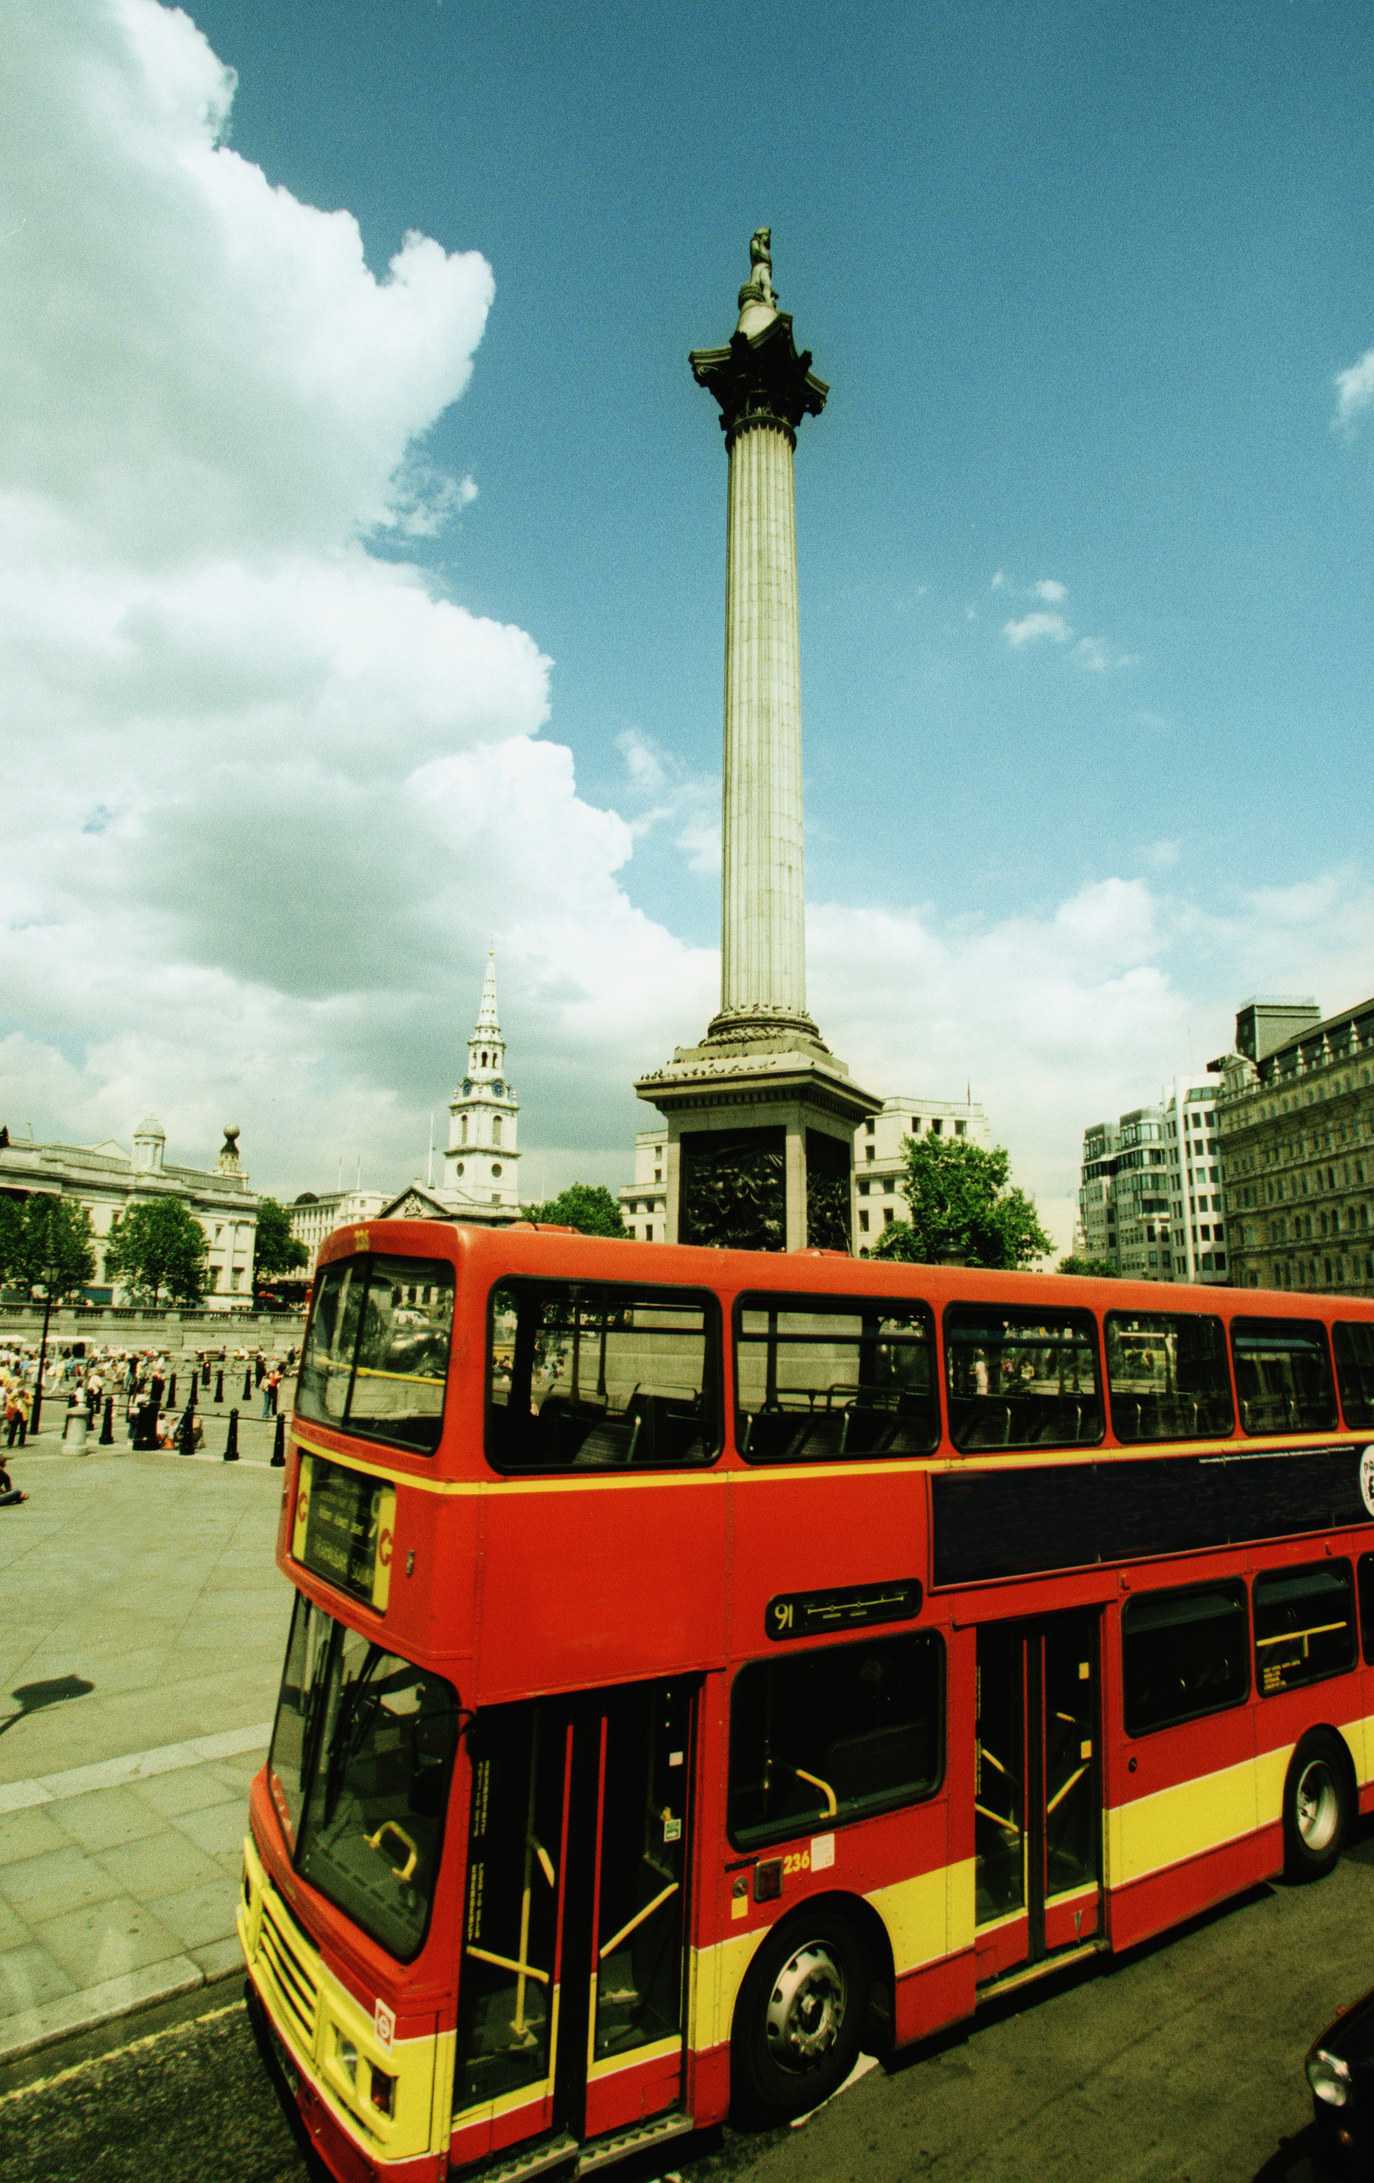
[
  {"x": 837, "y": 1304},
  {"x": 713, "y": 1374},
  {"x": 1109, "y": 1312},
  {"x": 349, "y": 1427},
  {"x": 1246, "y": 1697},
  {"x": 1091, "y": 1313},
  {"x": 761, "y": 1844},
  {"x": 1321, "y": 1327}
]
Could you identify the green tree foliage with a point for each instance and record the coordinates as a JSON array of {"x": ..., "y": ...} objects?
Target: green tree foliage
[
  {"x": 1097, "y": 1269},
  {"x": 156, "y": 1247},
  {"x": 961, "y": 1204},
  {"x": 275, "y": 1249},
  {"x": 586, "y": 1206},
  {"x": 45, "y": 1243}
]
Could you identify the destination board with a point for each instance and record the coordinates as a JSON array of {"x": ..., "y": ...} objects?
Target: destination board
[
  {"x": 344, "y": 1527},
  {"x": 843, "y": 1607}
]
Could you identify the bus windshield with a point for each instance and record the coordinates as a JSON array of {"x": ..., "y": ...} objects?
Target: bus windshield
[
  {"x": 362, "y": 1755},
  {"x": 376, "y": 1352}
]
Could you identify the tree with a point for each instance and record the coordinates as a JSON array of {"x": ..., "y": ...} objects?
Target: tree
[
  {"x": 275, "y": 1249},
  {"x": 961, "y": 1205},
  {"x": 586, "y": 1206},
  {"x": 46, "y": 1242},
  {"x": 1096, "y": 1269},
  {"x": 157, "y": 1246}
]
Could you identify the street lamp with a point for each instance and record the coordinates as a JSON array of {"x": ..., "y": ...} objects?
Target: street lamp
[{"x": 49, "y": 1276}]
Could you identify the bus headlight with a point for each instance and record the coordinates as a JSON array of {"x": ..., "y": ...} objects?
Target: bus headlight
[{"x": 1329, "y": 2077}]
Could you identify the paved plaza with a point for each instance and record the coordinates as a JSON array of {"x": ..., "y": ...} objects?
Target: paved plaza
[{"x": 150, "y": 1579}]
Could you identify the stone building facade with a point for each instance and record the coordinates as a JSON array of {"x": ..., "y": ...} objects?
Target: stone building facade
[
  {"x": 1296, "y": 1119},
  {"x": 879, "y": 1168},
  {"x": 106, "y": 1180},
  {"x": 313, "y": 1218}
]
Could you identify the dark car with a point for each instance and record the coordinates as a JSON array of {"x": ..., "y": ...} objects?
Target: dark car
[{"x": 1340, "y": 2070}]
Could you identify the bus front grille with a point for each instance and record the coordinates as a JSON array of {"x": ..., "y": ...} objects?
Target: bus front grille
[{"x": 286, "y": 1967}]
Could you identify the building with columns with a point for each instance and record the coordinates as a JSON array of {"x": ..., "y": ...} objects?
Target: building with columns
[
  {"x": 107, "y": 1180},
  {"x": 759, "y": 1118},
  {"x": 482, "y": 1159}
]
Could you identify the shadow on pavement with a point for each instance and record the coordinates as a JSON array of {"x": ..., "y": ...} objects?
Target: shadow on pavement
[{"x": 34, "y": 1696}]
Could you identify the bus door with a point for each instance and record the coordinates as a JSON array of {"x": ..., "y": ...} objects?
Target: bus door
[
  {"x": 572, "y": 1990},
  {"x": 1037, "y": 1790}
]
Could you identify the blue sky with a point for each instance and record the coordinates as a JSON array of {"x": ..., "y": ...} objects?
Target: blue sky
[{"x": 1084, "y": 542}]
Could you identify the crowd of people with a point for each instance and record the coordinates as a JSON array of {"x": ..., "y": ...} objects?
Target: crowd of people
[{"x": 140, "y": 1386}]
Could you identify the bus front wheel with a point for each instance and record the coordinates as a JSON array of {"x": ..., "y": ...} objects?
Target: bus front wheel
[
  {"x": 799, "y": 2018},
  {"x": 1317, "y": 1806}
]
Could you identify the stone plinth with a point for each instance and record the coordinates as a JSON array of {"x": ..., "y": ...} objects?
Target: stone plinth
[{"x": 759, "y": 1144}]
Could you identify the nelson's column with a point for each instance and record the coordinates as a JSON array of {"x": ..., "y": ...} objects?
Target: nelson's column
[{"x": 761, "y": 1116}]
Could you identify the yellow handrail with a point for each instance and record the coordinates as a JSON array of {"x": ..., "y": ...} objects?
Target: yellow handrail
[
  {"x": 831, "y": 1802},
  {"x": 638, "y": 1919}
]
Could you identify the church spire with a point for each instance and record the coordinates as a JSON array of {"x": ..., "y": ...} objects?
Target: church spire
[{"x": 487, "y": 1018}]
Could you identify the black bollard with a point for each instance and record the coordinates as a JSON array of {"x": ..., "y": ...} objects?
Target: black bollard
[
  {"x": 205, "y": 1371},
  {"x": 172, "y": 1393},
  {"x": 145, "y": 1426},
  {"x": 279, "y": 1444},
  {"x": 231, "y": 1445},
  {"x": 219, "y": 1386},
  {"x": 247, "y": 1384},
  {"x": 259, "y": 1371},
  {"x": 186, "y": 1430},
  {"x": 107, "y": 1424},
  {"x": 194, "y": 1390}
]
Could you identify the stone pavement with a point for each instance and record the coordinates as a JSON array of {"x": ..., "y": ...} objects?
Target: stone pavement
[{"x": 141, "y": 1649}]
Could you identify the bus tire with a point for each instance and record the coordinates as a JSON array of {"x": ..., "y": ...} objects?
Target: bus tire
[
  {"x": 799, "y": 2018},
  {"x": 1318, "y": 1806}
]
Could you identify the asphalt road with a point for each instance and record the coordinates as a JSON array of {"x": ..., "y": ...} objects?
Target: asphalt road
[{"x": 1181, "y": 2063}]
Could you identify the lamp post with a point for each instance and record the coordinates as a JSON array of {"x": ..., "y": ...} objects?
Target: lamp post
[{"x": 49, "y": 1275}]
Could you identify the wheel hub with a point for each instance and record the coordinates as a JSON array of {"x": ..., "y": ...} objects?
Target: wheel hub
[
  {"x": 806, "y": 2009},
  {"x": 1317, "y": 1805}
]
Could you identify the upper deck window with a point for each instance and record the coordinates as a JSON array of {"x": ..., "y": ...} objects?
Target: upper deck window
[
  {"x": 595, "y": 1375},
  {"x": 829, "y": 1379},
  {"x": 376, "y": 1353},
  {"x": 1283, "y": 1376},
  {"x": 1354, "y": 1343},
  {"x": 1021, "y": 1378},
  {"x": 1167, "y": 1375}
]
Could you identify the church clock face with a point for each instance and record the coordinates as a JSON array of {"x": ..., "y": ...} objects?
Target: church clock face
[
  {"x": 467, "y": 1086},
  {"x": 498, "y": 1087}
]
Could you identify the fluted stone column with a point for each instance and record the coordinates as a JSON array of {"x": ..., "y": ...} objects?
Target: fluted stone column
[
  {"x": 763, "y": 913},
  {"x": 761, "y": 1116}
]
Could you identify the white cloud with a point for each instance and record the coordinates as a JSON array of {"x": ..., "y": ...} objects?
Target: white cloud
[
  {"x": 999, "y": 581},
  {"x": 1032, "y": 627},
  {"x": 1053, "y": 593},
  {"x": 1354, "y": 392}
]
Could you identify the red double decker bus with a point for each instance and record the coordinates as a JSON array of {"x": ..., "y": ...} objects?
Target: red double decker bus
[{"x": 706, "y": 1665}]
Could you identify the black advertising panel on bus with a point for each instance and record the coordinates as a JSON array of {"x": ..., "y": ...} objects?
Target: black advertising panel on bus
[
  {"x": 1354, "y": 1343},
  {"x": 1011, "y": 1523},
  {"x": 843, "y": 1607}
]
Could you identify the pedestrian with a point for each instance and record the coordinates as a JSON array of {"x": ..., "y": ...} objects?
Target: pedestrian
[
  {"x": 10, "y": 1495},
  {"x": 274, "y": 1384},
  {"x": 11, "y": 1411},
  {"x": 268, "y": 1396},
  {"x": 22, "y": 1405}
]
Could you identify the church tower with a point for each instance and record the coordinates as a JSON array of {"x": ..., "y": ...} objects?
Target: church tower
[{"x": 482, "y": 1162}]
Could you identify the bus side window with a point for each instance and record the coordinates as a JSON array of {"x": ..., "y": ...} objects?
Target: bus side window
[
  {"x": 1283, "y": 1376},
  {"x": 1364, "y": 1577},
  {"x": 1304, "y": 1624},
  {"x": 591, "y": 1375},
  {"x": 1353, "y": 1340},
  {"x": 1021, "y": 1378},
  {"x": 1167, "y": 1375},
  {"x": 1184, "y": 1653},
  {"x": 834, "y": 1378},
  {"x": 836, "y": 1734}
]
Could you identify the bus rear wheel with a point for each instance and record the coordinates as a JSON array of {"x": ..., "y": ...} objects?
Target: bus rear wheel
[
  {"x": 1317, "y": 1806},
  {"x": 799, "y": 2018}
]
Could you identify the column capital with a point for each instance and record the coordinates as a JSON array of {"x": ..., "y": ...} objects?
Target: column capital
[{"x": 761, "y": 379}]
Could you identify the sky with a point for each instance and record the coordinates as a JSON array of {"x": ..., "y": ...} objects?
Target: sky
[{"x": 362, "y": 553}]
